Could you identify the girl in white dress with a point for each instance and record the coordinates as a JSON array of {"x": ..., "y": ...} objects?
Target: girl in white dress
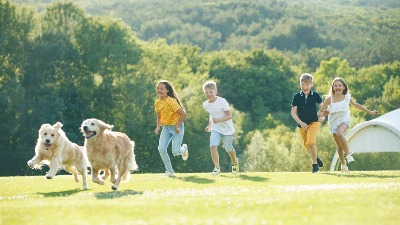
[{"x": 336, "y": 106}]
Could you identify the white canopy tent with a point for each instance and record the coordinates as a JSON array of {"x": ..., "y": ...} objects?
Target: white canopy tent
[{"x": 381, "y": 134}]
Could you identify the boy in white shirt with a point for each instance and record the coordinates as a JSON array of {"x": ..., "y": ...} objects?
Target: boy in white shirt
[{"x": 220, "y": 125}]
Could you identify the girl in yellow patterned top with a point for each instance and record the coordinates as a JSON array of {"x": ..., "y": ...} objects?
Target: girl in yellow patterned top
[{"x": 170, "y": 116}]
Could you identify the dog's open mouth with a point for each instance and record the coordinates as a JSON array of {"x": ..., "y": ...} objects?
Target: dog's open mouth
[
  {"x": 89, "y": 134},
  {"x": 47, "y": 146}
]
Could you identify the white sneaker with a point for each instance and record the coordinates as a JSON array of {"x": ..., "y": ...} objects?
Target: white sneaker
[
  {"x": 170, "y": 174},
  {"x": 345, "y": 169},
  {"x": 185, "y": 152},
  {"x": 215, "y": 172},
  {"x": 350, "y": 158}
]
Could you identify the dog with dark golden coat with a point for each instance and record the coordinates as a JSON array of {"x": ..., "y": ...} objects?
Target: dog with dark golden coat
[{"x": 108, "y": 151}]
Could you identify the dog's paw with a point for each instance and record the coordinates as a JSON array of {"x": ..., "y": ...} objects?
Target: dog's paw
[
  {"x": 98, "y": 181},
  {"x": 30, "y": 163}
]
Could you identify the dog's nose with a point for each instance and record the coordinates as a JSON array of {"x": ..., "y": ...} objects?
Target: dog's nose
[
  {"x": 85, "y": 128},
  {"x": 47, "y": 141}
]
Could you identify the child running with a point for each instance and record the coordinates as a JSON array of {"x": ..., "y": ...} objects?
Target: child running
[
  {"x": 170, "y": 115},
  {"x": 339, "y": 117},
  {"x": 220, "y": 125},
  {"x": 304, "y": 112}
]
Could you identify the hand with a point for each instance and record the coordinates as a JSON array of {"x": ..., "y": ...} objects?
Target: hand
[
  {"x": 303, "y": 125},
  {"x": 177, "y": 129},
  {"x": 208, "y": 129},
  {"x": 156, "y": 131},
  {"x": 321, "y": 119},
  {"x": 325, "y": 112},
  {"x": 373, "y": 112}
]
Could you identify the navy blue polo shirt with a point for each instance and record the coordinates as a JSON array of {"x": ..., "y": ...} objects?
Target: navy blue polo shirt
[{"x": 307, "y": 107}]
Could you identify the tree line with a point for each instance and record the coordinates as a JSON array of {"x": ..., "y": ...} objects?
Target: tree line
[{"x": 64, "y": 65}]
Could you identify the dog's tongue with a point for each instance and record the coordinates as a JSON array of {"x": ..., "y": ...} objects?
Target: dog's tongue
[{"x": 47, "y": 146}]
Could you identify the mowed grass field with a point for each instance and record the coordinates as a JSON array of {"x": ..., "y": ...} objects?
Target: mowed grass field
[{"x": 361, "y": 198}]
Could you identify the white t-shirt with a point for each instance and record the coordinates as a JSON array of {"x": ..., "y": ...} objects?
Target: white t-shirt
[{"x": 217, "y": 110}]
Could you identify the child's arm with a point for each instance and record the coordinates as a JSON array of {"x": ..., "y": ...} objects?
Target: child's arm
[
  {"x": 296, "y": 117},
  {"x": 322, "y": 108},
  {"x": 158, "y": 124},
  {"x": 208, "y": 127},
  {"x": 228, "y": 116},
  {"x": 321, "y": 118},
  {"x": 362, "y": 108},
  {"x": 182, "y": 115}
]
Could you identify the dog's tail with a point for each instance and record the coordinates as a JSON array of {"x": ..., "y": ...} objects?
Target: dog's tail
[{"x": 132, "y": 165}]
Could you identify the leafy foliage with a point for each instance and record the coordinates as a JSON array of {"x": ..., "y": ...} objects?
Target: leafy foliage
[{"x": 60, "y": 64}]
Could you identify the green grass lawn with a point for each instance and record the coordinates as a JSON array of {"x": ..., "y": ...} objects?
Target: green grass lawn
[{"x": 199, "y": 198}]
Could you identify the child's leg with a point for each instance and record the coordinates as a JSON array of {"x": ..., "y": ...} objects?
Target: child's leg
[
  {"x": 215, "y": 156},
  {"x": 165, "y": 138},
  {"x": 340, "y": 135},
  {"x": 304, "y": 136},
  {"x": 312, "y": 131},
  {"x": 215, "y": 138},
  {"x": 232, "y": 155},
  {"x": 312, "y": 149},
  {"x": 228, "y": 140},
  {"x": 177, "y": 140},
  {"x": 339, "y": 149}
]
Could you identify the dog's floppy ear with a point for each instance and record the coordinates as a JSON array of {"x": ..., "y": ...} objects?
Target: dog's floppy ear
[
  {"x": 58, "y": 125},
  {"x": 103, "y": 125}
]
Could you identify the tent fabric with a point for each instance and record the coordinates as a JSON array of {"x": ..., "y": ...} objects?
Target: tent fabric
[{"x": 381, "y": 134}]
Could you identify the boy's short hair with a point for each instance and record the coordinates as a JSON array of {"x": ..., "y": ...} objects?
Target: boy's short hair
[
  {"x": 306, "y": 77},
  {"x": 210, "y": 85}
]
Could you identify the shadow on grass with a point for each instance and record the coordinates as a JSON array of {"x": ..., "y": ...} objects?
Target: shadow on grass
[
  {"x": 197, "y": 180},
  {"x": 253, "y": 178},
  {"x": 60, "y": 193},
  {"x": 116, "y": 194},
  {"x": 247, "y": 177},
  {"x": 356, "y": 174}
]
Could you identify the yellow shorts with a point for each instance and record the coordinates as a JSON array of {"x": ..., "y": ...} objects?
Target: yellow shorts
[{"x": 310, "y": 134}]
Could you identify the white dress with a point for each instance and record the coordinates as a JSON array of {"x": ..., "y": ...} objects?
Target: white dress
[{"x": 339, "y": 112}]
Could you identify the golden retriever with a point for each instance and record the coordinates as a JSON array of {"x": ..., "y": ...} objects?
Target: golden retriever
[
  {"x": 108, "y": 151},
  {"x": 54, "y": 149}
]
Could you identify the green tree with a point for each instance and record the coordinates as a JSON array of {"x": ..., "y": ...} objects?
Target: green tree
[
  {"x": 15, "y": 28},
  {"x": 328, "y": 70},
  {"x": 389, "y": 101},
  {"x": 256, "y": 83},
  {"x": 268, "y": 154}
]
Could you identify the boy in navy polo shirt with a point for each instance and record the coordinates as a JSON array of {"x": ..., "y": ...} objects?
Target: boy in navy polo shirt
[{"x": 304, "y": 112}]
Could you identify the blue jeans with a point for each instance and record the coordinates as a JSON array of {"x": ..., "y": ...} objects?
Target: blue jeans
[{"x": 167, "y": 134}]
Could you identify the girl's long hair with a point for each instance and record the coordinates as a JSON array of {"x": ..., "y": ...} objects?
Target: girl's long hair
[{"x": 171, "y": 91}]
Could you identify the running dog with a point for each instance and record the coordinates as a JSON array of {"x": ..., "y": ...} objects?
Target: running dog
[
  {"x": 108, "y": 151},
  {"x": 54, "y": 149}
]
